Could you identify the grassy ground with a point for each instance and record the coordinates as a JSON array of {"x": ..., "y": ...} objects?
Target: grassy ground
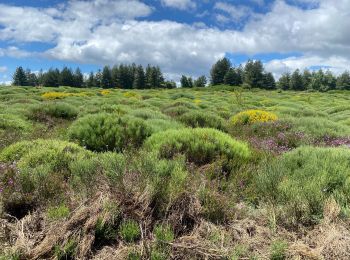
[{"x": 212, "y": 173}]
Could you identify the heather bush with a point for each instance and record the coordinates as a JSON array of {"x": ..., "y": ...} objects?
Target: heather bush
[
  {"x": 202, "y": 119},
  {"x": 10, "y": 122},
  {"x": 199, "y": 145},
  {"x": 108, "y": 132},
  {"x": 129, "y": 231},
  {"x": 302, "y": 180},
  {"x": 160, "y": 125},
  {"x": 148, "y": 114}
]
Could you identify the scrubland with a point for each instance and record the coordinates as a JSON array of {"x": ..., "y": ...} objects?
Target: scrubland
[{"x": 209, "y": 173}]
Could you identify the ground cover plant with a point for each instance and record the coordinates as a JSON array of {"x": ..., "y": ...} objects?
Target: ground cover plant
[{"x": 218, "y": 172}]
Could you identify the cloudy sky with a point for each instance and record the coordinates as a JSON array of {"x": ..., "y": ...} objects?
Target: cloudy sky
[{"x": 181, "y": 36}]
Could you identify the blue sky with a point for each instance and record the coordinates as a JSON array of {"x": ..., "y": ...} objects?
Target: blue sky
[{"x": 181, "y": 36}]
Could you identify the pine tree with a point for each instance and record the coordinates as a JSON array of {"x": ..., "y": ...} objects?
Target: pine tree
[
  {"x": 51, "y": 78},
  {"x": 254, "y": 74},
  {"x": 140, "y": 78},
  {"x": 230, "y": 77},
  {"x": 78, "y": 79},
  {"x": 106, "y": 80},
  {"x": 269, "y": 81},
  {"x": 66, "y": 77},
  {"x": 296, "y": 81},
  {"x": 307, "y": 76},
  {"x": 185, "y": 82},
  {"x": 201, "y": 82},
  {"x": 219, "y": 70},
  {"x": 90, "y": 83},
  {"x": 98, "y": 79},
  {"x": 19, "y": 78},
  {"x": 115, "y": 76},
  {"x": 284, "y": 81}
]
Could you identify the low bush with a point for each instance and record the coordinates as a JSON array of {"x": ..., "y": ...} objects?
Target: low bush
[
  {"x": 160, "y": 125},
  {"x": 202, "y": 119},
  {"x": 253, "y": 116},
  {"x": 129, "y": 231},
  {"x": 148, "y": 114},
  {"x": 107, "y": 132},
  {"x": 10, "y": 122},
  {"x": 199, "y": 145},
  {"x": 176, "y": 111},
  {"x": 41, "y": 171},
  {"x": 299, "y": 182},
  {"x": 56, "y": 110}
]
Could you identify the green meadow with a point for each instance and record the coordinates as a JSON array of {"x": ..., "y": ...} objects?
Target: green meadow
[{"x": 203, "y": 173}]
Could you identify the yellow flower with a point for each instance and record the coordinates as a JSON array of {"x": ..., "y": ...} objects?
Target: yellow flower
[
  {"x": 253, "y": 116},
  {"x": 105, "y": 92},
  {"x": 197, "y": 101}
]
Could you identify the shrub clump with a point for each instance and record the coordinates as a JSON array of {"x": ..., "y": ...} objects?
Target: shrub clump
[
  {"x": 302, "y": 180},
  {"x": 202, "y": 119},
  {"x": 55, "y": 110},
  {"x": 129, "y": 231},
  {"x": 199, "y": 145},
  {"x": 253, "y": 116},
  {"x": 40, "y": 170},
  {"x": 107, "y": 132}
]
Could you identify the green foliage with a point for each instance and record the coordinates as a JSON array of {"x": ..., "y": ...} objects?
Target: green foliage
[
  {"x": 129, "y": 231},
  {"x": 56, "y": 110},
  {"x": 58, "y": 212},
  {"x": 164, "y": 233},
  {"x": 202, "y": 119},
  {"x": 199, "y": 145},
  {"x": 219, "y": 70},
  {"x": 10, "y": 122},
  {"x": 68, "y": 251},
  {"x": 302, "y": 180},
  {"x": 278, "y": 250},
  {"x": 44, "y": 167},
  {"x": 108, "y": 132}
]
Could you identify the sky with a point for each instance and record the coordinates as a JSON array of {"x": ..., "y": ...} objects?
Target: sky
[{"x": 181, "y": 36}]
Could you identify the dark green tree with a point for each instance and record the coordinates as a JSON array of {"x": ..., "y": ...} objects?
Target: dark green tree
[
  {"x": 296, "y": 81},
  {"x": 90, "y": 83},
  {"x": 66, "y": 77},
  {"x": 106, "y": 81},
  {"x": 186, "y": 82},
  {"x": 140, "y": 78},
  {"x": 78, "y": 78},
  {"x": 201, "y": 82},
  {"x": 219, "y": 70},
  {"x": 254, "y": 74},
  {"x": 231, "y": 77},
  {"x": 51, "y": 78},
  {"x": 343, "y": 81},
  {"x": 307, "y": 77},
  {"x": 284, "y": 81},
  {"x": 115, "y": 76},
  {"x": 19, "y": 77},
  {"x": 269, "y": 81}
]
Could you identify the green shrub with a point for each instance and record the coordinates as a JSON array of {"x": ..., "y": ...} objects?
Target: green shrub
[
  {"x": 68, "y": 251},
  {"x": 199, "y": 145},
  {"x": 202, "y": 119},
  {"x": 59, "y": 212},
  {"x": 129, "y": 231},
  {"x": 300, "y": 182},
  {"x": 278, "y": 250},
  {"x": 43, "y": 168},
  {"x": 160, "y": 125},
  {"x": 54, "y": 110},
  {"x": 107, "y": 132},
  {"x": 13, "y": 122},
  {"x": 176, "y": 111},
  {"x": 148, "y": 114},
  {"x": 164, "y": 233}
]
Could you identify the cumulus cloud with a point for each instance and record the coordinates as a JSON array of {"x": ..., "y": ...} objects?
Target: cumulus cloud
[
  {"x": 179, "y": 4},
  {"x": 83, "y": 33},
  {"x": 14, "y": 52}
]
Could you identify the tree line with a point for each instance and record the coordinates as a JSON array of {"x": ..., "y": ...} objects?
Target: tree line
[
  {"x": 251, "y": 75},
  {"x": 122, "y": 76}
]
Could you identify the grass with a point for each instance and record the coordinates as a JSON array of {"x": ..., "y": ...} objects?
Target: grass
[{"x": 218, "y": 173}]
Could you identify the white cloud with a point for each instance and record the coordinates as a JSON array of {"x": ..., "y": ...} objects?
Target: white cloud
[
  {"x": 179, "y": 4},
  {"x": 3, "y": 69},
  {"x": 14, "y": 52},
  {"x": 235, "y": 12},
  {"x": 82, "y": 33}
]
